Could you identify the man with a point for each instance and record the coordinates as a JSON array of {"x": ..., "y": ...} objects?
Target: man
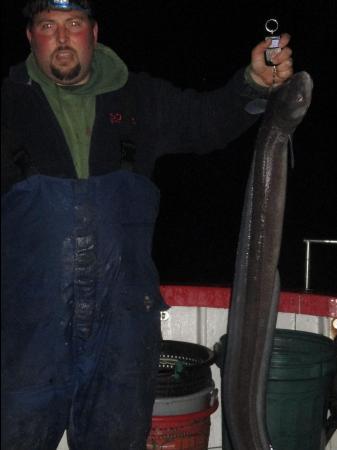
[{"x": 81, "y": 295}]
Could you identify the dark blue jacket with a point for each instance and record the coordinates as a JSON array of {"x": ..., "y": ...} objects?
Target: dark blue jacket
[{"x": 156, "y": 116}]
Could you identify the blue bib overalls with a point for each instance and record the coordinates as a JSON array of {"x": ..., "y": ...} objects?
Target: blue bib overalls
[{"x": 81, "y": 334}]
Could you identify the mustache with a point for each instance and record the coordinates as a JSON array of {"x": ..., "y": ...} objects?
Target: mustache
[{"x": 63, "y": 48}]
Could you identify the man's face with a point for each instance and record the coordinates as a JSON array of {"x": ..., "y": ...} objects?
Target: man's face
[{"x": 63, "y": 43}]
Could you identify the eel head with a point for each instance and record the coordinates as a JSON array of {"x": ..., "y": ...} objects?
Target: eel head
[{"x": 289, "y": 103}]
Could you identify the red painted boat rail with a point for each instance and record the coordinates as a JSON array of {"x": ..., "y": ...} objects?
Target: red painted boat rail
[{"x": 219, "y": 297}]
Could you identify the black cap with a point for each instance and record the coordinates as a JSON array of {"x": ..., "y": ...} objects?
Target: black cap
[{"x": 35, "y": 6}]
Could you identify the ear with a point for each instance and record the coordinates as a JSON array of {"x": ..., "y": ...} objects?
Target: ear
[
  {"x": 95, "y": 32},
  {"x": 29, "y": 35}
]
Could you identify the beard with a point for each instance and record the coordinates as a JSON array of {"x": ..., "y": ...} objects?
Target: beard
[
  {"x": 62, "y": 68},
  {"x": 68, "y": 75}
]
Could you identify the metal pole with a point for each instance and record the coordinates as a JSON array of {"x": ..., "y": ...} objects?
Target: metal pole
[{"x": 307, "y": 264}]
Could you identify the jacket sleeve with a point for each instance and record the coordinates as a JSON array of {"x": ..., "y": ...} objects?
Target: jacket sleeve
[{"x": 189, "y": 121}]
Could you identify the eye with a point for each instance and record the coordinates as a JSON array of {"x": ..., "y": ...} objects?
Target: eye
[
  {"x": 74, "y": 24},
  {"x": 47, "y": 26},
  {"x": 299, "y": 99}
]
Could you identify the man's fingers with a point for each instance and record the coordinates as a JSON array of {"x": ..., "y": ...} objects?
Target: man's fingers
[
  {"x": 282, "y": 56},
  {"x": 284, "y": 70},
  {"x": 284, "y": 39}
]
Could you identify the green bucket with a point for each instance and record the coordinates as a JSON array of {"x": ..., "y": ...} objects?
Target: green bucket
[{"x": 301, "y": 372}]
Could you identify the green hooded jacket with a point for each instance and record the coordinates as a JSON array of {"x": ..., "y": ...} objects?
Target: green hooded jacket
[{"x": 74, "y": 106}]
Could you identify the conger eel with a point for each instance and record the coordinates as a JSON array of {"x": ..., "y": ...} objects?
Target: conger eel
[{"x": 256, "y": 287}]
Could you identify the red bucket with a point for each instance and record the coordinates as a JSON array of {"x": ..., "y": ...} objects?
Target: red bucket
[{"x": 181, "y": 432}]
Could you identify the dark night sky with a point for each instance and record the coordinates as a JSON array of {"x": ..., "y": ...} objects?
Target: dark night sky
[{"x": 200, "y": 45}]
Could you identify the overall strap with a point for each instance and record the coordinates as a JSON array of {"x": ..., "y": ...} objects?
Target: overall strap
[{"x": 127, "y": 130}]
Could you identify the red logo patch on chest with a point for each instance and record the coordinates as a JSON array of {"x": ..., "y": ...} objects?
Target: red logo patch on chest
[{"x": 116, "y": 117}]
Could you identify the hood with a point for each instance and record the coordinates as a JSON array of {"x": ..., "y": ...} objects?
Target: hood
[{"x": 109, "y": 73}]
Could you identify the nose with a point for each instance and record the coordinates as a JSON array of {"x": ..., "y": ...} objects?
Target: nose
[{"x": 62, "y": 34}]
